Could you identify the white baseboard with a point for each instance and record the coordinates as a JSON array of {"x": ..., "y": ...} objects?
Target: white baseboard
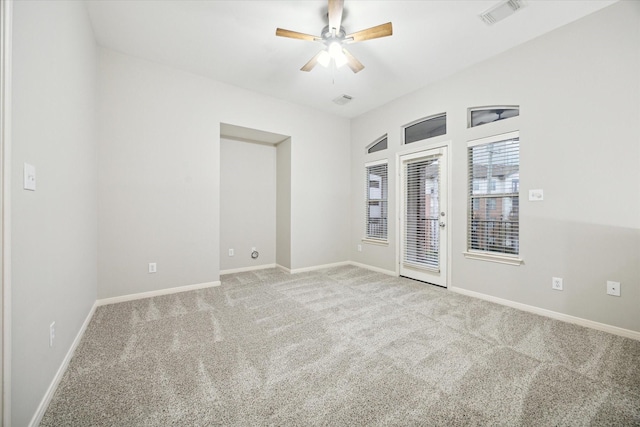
[
  {"x": 627, "y": 333},
  {"x": 336, "y": 264},
  {"x": 244, "y": 269},
  {"x": 314, "y": 268},
  {"x": 44, "y": 403},
  {"x": 168, "y": 291},
  {"x": 372, "y": 268},
  {"x": 283, "y": 268}
]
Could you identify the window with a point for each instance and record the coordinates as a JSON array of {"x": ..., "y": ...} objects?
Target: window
[
  {"x": 377, "y": 189},
  {"x": 494, "y": 177},
  {"x": 427, "y": 128},
  {"x": 482, "y": 115},
  {"x": 379, "y": 145}
]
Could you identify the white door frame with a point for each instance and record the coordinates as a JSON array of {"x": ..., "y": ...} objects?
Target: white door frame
[
  {"x": 417, "y": 149},
  {"x": 6, "y": 17}
]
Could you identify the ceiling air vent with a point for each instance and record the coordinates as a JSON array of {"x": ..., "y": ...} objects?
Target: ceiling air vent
[
  {"x": 501, "y": 11},
  {"x": 343, "y": 99}
]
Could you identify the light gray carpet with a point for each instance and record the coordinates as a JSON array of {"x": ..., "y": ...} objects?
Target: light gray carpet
[{"x": 342, "y": 346}]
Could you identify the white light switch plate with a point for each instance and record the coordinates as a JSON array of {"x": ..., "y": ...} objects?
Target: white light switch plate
[
  {"x": 29, "y": 177},
  {"x": 536, "y": 195}
]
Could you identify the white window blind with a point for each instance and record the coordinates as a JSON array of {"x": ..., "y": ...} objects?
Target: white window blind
[
  {"x": 377, "y": 190},
  {"x": 494, "y": 205},
  {"x": 422, "y": 213}
]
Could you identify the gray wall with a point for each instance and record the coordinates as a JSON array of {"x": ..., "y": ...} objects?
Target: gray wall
[
  {"x": 248, "y": 203},
  {"x": 283, "y": 204},
  {"x": 579, "y": 94},
  {"x": 54, "y": 229},
  {"x": 159, "y": 175}
]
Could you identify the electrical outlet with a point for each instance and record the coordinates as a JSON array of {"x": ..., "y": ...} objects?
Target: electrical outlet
[
  {"x": 152, "y": 267},
  {"x": 359, "y": 248},
  {"x": 52, "y": 333},
  {"x": 613, "y": 288},
  {"x": 536, "y": 195},
  {"x": 231, "y": 253},
  {"x": 556, "y": 283}
]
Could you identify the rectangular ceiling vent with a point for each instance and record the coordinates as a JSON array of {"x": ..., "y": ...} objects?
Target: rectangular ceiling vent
[
  {"x": 501, "y": 11},
  {"x": 343, "y": 99}
]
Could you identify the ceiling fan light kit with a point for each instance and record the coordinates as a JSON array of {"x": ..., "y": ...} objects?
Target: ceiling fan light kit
[{"x": 334, "y": 37}]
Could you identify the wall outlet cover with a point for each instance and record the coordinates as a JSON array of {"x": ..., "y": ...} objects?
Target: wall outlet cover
[
  {"x": 556, "y": 283},
  {"x": 613, "y": 288},
  {"x": 29, "y": 177},
  {"x": 536, "y": 195}
]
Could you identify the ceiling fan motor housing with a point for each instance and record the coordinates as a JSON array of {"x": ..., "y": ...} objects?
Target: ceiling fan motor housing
[{"x": 328, "y": 37}]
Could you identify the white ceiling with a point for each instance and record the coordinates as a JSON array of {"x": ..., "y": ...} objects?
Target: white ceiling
[{"x": 234, "y": 42}]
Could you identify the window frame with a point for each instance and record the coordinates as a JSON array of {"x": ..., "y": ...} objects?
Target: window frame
[
  {"x": 384, "y": 211},
  {"x": 493, "y": 256}
]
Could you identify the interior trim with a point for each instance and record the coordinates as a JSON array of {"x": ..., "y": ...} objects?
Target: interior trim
[
  {"x": 627, "y": 333},
  {"x": 243, "y": 269},
  {"x": 46, "y": 399},
  {"x": 167, "y": 291},
  {"x": 6, "y": 20}
]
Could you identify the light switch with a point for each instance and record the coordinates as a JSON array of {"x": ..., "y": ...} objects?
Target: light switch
[
  {"x": 29, "y": 177},
  {"x": 536, "y": 195}
]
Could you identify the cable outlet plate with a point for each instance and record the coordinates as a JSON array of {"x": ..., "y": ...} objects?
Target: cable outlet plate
[
  {"x": 613, "y": 288},
  {"x": 556, "y": 283}
]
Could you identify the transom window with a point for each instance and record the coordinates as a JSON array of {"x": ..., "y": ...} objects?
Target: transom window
[
  {"x": 428, "y": 128},
  {"x": 482, "y": 115},
  {"x": 378, "y": 145}
]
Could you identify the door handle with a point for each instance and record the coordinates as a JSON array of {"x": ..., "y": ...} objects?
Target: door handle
[{"x": 442, "y": 224}]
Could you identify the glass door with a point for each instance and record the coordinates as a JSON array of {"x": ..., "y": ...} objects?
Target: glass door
[{"x": 423, "y": 216}]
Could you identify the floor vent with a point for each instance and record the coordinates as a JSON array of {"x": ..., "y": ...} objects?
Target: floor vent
[
  {"x": 501, "y": 11},
  {"x": 343, "y": 99}
]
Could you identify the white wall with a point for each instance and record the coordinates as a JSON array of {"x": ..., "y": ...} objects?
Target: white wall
[
  {"x": 54, "y": 229},
  {"x": 579, "y": 94},
  {"x": 248, "y": 203},
  {"x": 159, "y": 175}
]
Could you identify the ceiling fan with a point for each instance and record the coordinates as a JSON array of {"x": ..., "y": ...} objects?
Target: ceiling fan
[{"x": 334, "y": 37}]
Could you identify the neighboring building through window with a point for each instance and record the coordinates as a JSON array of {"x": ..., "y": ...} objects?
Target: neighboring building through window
[
  {"x": 482, "y": 115},
  {"x": 426, "y": 128},
  {"x": 494, "y": 177},
  {"x": 379, "y": 145},
  {"x": 377, "y": 190}
]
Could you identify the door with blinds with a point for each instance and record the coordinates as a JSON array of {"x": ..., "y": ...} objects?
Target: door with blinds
[{"x": 423, "y": 216}]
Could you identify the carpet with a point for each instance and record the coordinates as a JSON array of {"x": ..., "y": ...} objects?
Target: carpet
[{"x": 341, "y": 346}]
